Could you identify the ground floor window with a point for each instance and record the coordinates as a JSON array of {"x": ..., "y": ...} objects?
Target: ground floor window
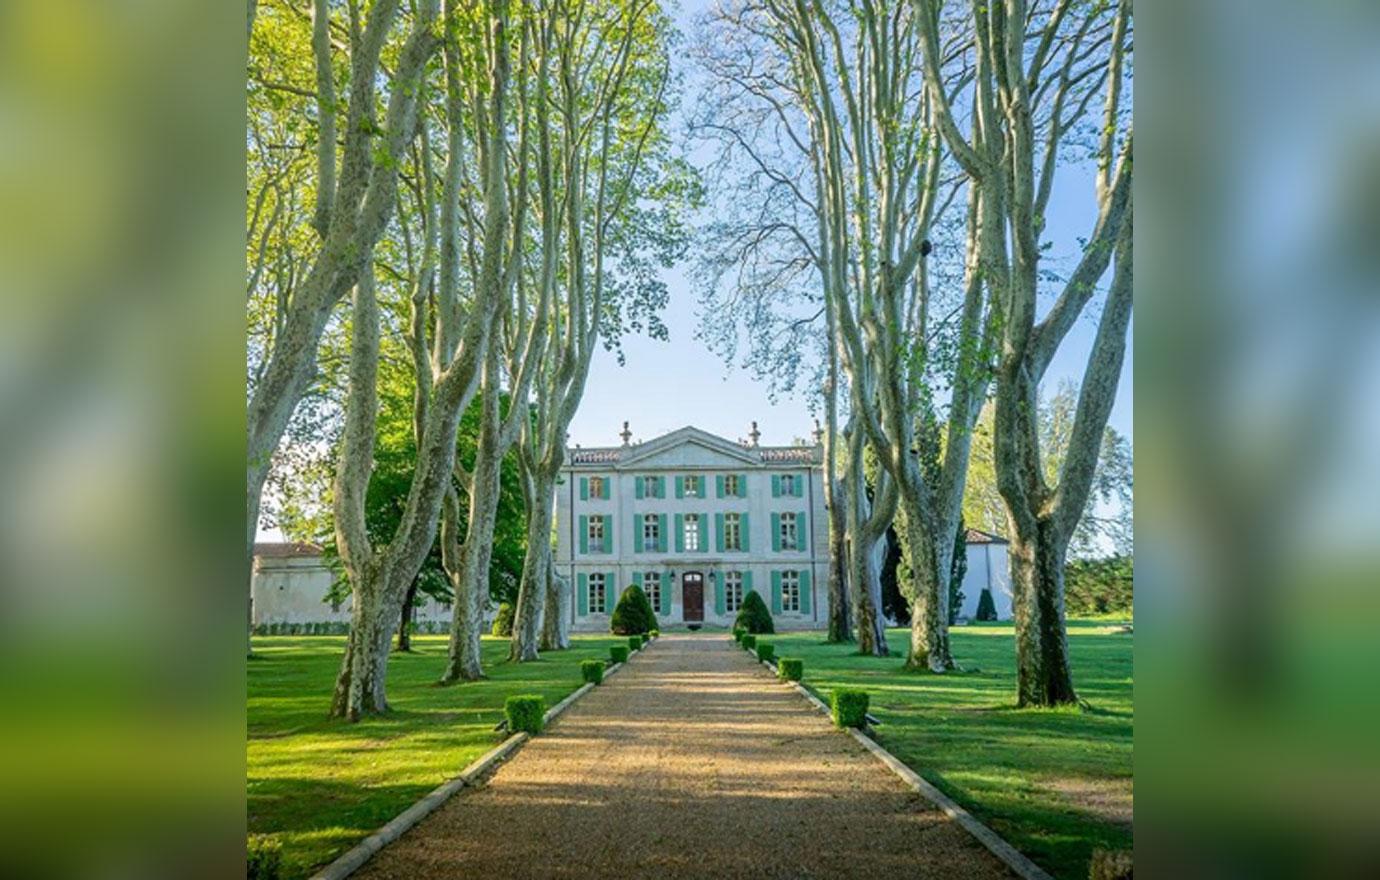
[
  {"x": 651, "y": 585},
  {"x": 790, "y": 591},
  {"x": 733, "y": 590},
  {"x": 597, "y": 594}
]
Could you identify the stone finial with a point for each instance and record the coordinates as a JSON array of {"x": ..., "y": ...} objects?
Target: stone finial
[
  {"x": 755, "y": 435},
  {"x": 819, "y": 433},
  {"x": 626, "y": 435}
]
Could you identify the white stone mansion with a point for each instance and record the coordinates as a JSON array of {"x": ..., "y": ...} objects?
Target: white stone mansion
[{"x": 698, "y": 522}]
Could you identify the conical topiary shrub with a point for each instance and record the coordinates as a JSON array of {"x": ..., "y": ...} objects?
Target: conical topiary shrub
[
  {"x": 754, "y": 617},
  {"x": 633, "y": 614},
  {"x": 987, "y": 609}
]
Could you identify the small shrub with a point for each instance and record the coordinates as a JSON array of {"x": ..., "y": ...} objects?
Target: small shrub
[
  {"x": 849, "y": 707},
  {"x": 525, "y": 712},
  {"x": 748, "y": 641},
  {"x": 790, "y": 668},
  {"x": 766, "y": 651},
  {"x": 754, "y": 617},
  {"x": 503, "y": 620},
  {"x": 634, "y": 642},
  {"x": 1110, "y": 865},
  {"x": 987, "y": 609},
  {"x": 656, "y": 633},
  {"x": 265, "y": 857},
  {"x": 738, "y": 636},
  {"x": 633, "y": 614},
  {"x": 646, "y": 638},
  {"x": 619, "y": 653},
  {"x": 592, "y": 671}
]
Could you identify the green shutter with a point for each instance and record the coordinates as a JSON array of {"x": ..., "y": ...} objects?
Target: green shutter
[
  {"x": 637, "y": 533},
  {"x": 582, "y": 593},
  {"x": 719, "y": 593},
  {"x": 776, "y": 533},
  {"x": 610, "y": 590},
  {"x": 704, "y": 533},
  {"x": 718, "y": 533},
  {"x": 802, "y": 534},
  {"x": 742, "y": 485},
  {"x": 661, "y": 487},
  {"x": 718, "y": 485},
  {"x": 680, "y": 486},
  {"x": 776, "y": 485},
  {"x": 584, "y": 534},
  {"x": 608, "y": 487},
  {"x": 639, "y": 486},
  {"x": 747, "y": 583},
  {"x": 680, "y": 529},
  {"x": 744, "y": 529},
  {"x": 667, "y": 579},
  {"x": 661, "y": 532},
  {"x": 584, "y": 488},
  {"x": 776, "y": 592},
  {"x": 805, "y": 591},
  {"x": 637, "y": 579}
]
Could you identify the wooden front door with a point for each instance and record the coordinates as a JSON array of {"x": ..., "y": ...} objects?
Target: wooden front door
[{"x": 692, "y": 597}]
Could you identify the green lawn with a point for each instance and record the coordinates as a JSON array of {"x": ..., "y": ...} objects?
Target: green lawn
[
  {"x": 322, "y": 785},
  {"x": 1055, "y": 783}
]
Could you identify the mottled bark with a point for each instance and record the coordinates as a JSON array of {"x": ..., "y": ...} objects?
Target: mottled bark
[
  {"x": 555, "y": 631},
  {"x": 360, "y": 687},
  {"x": 405, "y": 619},
  {"x": 929, "y": 616},
  {"x": 531, "y": 603},
  {"x": 867, "y": 523},
  {"x": 840, "y": 618}
]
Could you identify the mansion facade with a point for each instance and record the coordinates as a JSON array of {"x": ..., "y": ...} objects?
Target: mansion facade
[{"x": 698, "y": 522}]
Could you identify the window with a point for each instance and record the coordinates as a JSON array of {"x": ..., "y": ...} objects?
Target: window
[
  {"x": 733, "y": 531},
  {"x": 733, "y": 590},
  {"x": 651, "y": 585},
  {"x": 651, "y": 533},
  {"x": 692, "y": 531},
  {"x": 597, "y": 594},
  {"x": 731, "y": 485},
  {"x": 596, "y": 534},
  {"x": 596, "y": 487},
  {"x": 788, "y": 484},
  {"x": 789, "y": 532},
  {"x": 790, "y": 591},
  {"x": 692, "y": 487}
]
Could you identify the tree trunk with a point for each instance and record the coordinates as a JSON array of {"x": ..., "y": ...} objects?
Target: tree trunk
[
  {"x": 471, "y": 580},
  {"x": 840, "y": 620},
  {"x": 929, "y": 606},
  {"x": 360, "y": 687},
  {"x": 555, "y": 630},
  {"x": 864, "y": 574},
  {"x": 1043, "y": 677},
  {"x": 405, "y": 624},
  {"x": 531, "y": 601}
]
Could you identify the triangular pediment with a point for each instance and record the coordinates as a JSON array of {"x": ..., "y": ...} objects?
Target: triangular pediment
[{"x": 688, "y": 446}]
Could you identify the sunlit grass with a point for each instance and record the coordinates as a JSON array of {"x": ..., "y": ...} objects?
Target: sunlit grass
[
  {"x": 1019, "y": 770},
  {"x": 322, "y": 785}
]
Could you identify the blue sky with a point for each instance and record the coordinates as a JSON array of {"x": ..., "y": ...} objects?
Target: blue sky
[{"x": 667, "y": 385}]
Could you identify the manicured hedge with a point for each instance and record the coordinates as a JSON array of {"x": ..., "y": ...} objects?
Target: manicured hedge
[
  {"x": 849, "y": 707},
  {"x": 619, "y": 653},
  {"x": 592, "y": 671},
  {"x": 748, "y": 641},
  {"x": 656, "y": 633},
  {"x": 525, "y": 712},
  {"x": 633, "y": 614},
  {"x": 738, "y": 635},
  {"x": 765, "y": 651},
  {"x": 790, "y": 668},
  {"x": 646, "y": 637},
  {"x": 265, "y": 857},
  {"x": 634, "y": 642}
]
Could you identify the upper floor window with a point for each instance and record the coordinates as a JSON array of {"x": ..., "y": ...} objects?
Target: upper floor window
[
  {"x": 788, "y": 485},
  {"x": 651, "y": 585},
  {"x": 598, "y": 601},
  {"x": 692, "y": 531},
  {"x": 596, "y": 487},
  {"x": 733, "y": 590},
  {"x": 790, "y": 532},
  {"x": 596, "y": 534},
  {"x": 790, "y": 591},
  {"x": 733, "y": 531},
  {"x": 731, "y": 485},
  {"x": 693, "y": 486},
  {"x": 651, "y": 533}
]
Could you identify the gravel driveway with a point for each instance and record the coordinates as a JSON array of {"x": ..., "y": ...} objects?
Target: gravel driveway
[{"x": 690, "y": 762}]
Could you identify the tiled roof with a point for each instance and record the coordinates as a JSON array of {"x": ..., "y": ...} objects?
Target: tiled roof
[
  {"x": 285, "y": 549},
  {"x": 977, "y": 536}
]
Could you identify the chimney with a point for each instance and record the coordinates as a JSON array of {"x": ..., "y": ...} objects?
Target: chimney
[
  {"x": 819, "y": 434},
  {"x": 754, "y": 434},
  {"x": 626, "y": 435}
]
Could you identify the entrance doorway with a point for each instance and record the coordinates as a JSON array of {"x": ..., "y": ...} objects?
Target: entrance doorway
[{"x": 692, "y": 597}]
